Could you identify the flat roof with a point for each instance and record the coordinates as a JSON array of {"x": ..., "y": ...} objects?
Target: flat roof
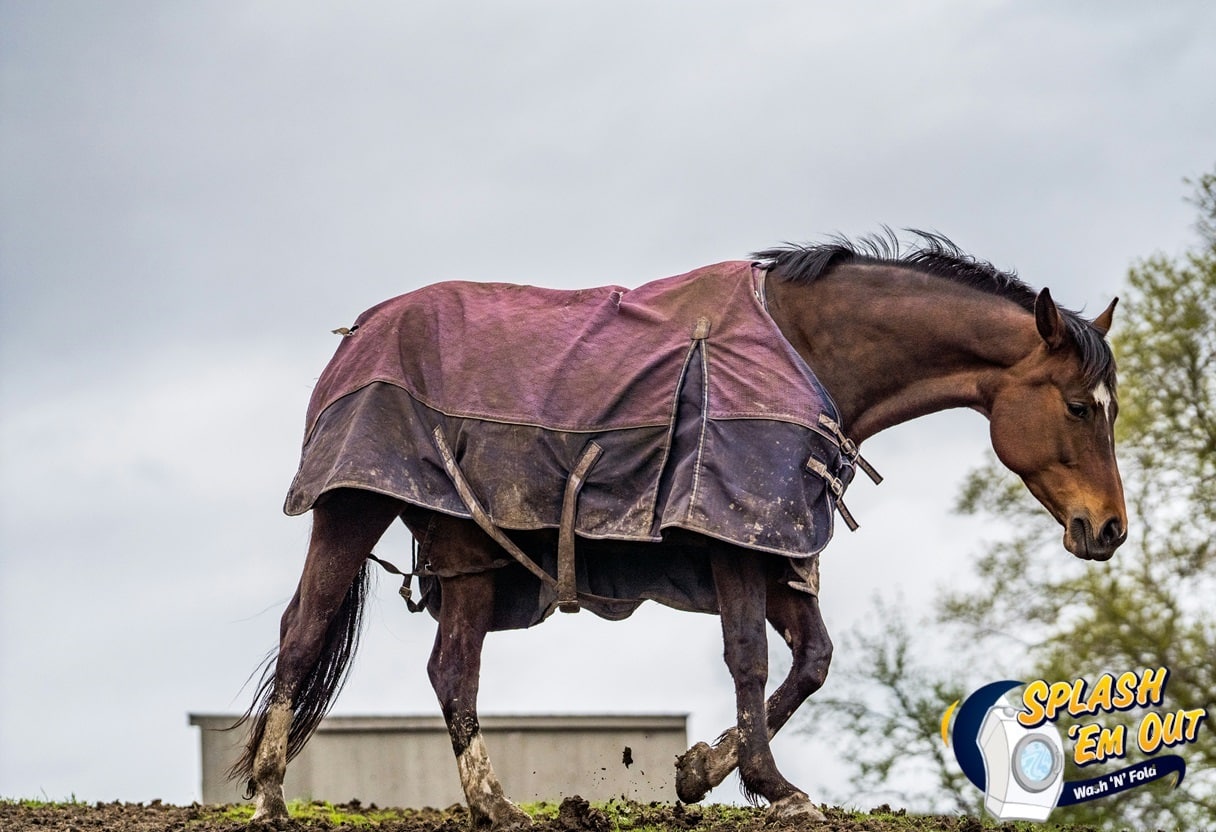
[{"x": 490, "y": 722}]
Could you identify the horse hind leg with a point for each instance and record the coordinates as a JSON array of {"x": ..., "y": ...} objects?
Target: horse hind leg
[
  {"x": 796, "y": 616},
  {"x": 318, "y": 636},
  {"x": 466, "y": 609}
]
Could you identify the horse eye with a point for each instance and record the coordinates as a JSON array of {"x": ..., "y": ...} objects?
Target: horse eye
[{"x": 1078, "y": 410}]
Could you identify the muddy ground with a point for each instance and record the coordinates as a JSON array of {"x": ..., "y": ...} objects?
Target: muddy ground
[{"x": 573, "y": 815}]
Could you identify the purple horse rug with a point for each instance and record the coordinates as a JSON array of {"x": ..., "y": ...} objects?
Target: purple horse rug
[{"x": 620, "y": 413}]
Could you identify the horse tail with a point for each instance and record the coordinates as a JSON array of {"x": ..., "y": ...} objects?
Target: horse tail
[{"x": 318, "y": 688}]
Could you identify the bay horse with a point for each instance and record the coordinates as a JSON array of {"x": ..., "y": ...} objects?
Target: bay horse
[{"x": 891, "y": 331}]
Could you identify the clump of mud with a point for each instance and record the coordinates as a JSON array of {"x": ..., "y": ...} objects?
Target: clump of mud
[{"x": 577, "y": 815}]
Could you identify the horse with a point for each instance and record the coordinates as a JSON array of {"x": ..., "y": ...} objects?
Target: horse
[{"x": 535, "y": 473}]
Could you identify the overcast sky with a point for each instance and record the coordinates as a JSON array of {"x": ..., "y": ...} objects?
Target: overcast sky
[{"x": 192, "y": 195}]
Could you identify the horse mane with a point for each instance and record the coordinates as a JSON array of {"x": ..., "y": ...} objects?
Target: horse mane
[{"x": 936, "y": 255}]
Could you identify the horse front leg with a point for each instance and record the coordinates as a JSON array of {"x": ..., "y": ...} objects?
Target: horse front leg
[
  {"x": 741, "y": 581},
  {"x": 796, "y": 616},
  {"x": 466, "y": 607}
]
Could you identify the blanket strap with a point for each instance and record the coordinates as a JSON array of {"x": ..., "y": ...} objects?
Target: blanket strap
[
  {"x": 815, "y": 466},
  {"x": 427, "y": 571},
  {"x": 567, "y": 593},
  {"x": 851, "y": 452},
  {"x": 480, "y": 516},
  {"x": 406, "y": 578},
  {"x": 849, "y": 448}
]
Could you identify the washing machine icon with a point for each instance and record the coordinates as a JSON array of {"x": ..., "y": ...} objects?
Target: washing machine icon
[{"x": 1023, "y": 767}]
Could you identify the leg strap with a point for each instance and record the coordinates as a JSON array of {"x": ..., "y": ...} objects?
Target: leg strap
[
  {"x": 480, "y": 516},
  {"x": 567, "y": 594},
  {"x": 404, "y": 591},
  {"x": 565, "y": 585}
]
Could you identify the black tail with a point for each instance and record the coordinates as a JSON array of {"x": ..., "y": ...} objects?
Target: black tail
[{"x": 319, "y": 687}]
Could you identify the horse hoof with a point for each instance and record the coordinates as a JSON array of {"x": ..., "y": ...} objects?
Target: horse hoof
[
  {"x": 692, "y": 779},
  {"x": 504, "y": 817},
  {"x": 269, "y": 808},
  {"x": 516, "y": 818},
  {"x": 796, "y": 805}
]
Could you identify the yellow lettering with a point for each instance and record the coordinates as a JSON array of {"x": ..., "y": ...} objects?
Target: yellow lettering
[
  {"x": 1087, "y": 744},
  {"x": 1100, "y": 699},
  {"x": 1172, "y": 725},
  {"x": 1033, "y": 698},
  {"x": 1157, "y": 730},
  {"x": 1057, "y": 698},
  {"x": 1125, "y": 690},
  {"x": 1042, "y": 702},
  {"x": 1110, "y": 742},
  {"x": 1152, "y": 687},
  {"x": 1193, "y": 718},
  {"x": 1075, "y": 692},
  {"x": 1148, "y": 737}
]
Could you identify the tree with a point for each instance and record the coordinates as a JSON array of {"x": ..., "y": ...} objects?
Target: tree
[{"x": 1149, "y": 607}]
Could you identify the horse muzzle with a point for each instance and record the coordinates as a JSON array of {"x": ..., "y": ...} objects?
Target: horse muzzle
[{"x": 1082, "y": 541}]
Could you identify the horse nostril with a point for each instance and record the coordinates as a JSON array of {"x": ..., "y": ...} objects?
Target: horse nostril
[{"x": 1112, "y": 532}]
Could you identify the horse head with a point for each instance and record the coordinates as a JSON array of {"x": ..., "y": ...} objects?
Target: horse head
[{"x": 1052, "y": 423}]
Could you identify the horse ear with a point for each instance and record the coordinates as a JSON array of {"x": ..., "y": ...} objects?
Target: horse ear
[
  {"x": 1048, "y": 319},
  {"x": 1103, "y": 321}
]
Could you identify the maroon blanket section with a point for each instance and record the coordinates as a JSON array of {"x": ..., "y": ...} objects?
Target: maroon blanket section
[{"x": 706, "y": 414}]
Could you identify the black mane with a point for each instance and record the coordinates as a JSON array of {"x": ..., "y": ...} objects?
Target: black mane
[{"x": 936, "y": 255}]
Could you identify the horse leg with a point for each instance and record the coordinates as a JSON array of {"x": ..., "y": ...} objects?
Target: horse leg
[
  {"x": 741, "y": 582},
  {"x": 466, "y": 607},
  {"x": 796, "y": 616},
  {"x": 317, "y": 638}
]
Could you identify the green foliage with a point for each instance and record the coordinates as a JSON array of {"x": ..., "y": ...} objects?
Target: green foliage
[
  {"x": 352, "y": 815},
  {"x": 42, "y": 803},
  {"x": 1149, "y": 606},
  {"x": 1205, "y": 200}
]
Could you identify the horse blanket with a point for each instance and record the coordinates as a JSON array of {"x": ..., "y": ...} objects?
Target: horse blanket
[{"x": 707, "y": 418}]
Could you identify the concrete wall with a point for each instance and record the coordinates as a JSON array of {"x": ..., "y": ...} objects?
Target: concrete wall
[{"x": 407, "y": 761}]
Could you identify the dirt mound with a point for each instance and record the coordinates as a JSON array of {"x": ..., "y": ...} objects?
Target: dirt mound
[{"x": 574, "y": 814}]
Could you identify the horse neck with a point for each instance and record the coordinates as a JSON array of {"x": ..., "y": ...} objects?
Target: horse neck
[{"x": 891, "y": 344}]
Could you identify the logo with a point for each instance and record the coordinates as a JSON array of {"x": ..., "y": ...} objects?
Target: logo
[{"x": 1012, "y": 750}]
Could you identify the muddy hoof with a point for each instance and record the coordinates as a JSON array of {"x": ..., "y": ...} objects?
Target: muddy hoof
[
  {"x": 505, "y": 817},
  {"x": 515, "y": 820},
  {"x": 270, "y": 807},
  {"x": 692, "y": 779},
  {"x": 796, "y": 805}
]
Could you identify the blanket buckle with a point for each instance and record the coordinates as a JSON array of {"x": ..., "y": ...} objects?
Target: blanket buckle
[{"x": 849, "y": 448}]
